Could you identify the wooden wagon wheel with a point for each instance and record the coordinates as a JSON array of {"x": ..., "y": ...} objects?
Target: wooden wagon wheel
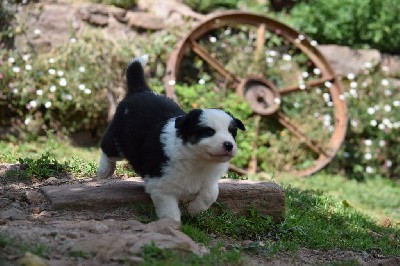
[{"x": 270, "y": 96}]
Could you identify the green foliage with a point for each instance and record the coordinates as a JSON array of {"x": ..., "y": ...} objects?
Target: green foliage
[
  {"x": 207, "y": 6},
  {"x": 357, "y": 23},
  {"x": 7, "y": 13},
  {"x": 42, "y": 168},
  {"x": 372, "y": 144},
  {"x": 196, "y": 234}
]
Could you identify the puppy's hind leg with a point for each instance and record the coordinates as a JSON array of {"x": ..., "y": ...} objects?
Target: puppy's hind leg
[{"x": 107, "y": 166}]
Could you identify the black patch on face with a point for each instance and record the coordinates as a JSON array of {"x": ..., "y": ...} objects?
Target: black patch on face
[
  {"x": 232, "y": 129},
  {"x": 189, "y": 129}
]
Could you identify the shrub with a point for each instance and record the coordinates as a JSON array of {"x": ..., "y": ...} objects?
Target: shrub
[{"x": 357, "y": 23}]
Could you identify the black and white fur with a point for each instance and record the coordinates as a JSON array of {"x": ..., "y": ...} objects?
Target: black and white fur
[{"x": 181, "y": 156}]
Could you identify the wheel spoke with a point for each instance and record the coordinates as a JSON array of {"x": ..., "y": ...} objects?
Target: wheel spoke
[
  {"x": 260, "y": 41},
  {"x": 285, "y": 121},
  {"x": 311, "y": 83},
  {"x": 237, "y": 170},
  {"x": 200, "y": 51}
]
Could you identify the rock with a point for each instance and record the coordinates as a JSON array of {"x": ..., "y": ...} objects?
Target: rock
[
  {"x": 133, "y": 260},
  {"x": 51, "y": 180},
  {"x": 4, "y": 203},
  {"x": 144, "y": 20},
  {"x": 98, "y": 228},
  {"x": 163, "y": 234},
  {"x": 12, "y": 214},
  {"x": 345, "y": 60},
  {"x": 30, "y": 259},
  {"x": 391, "y": 65},
  {"x": 34, "y": 197},
  {"x": 266, "y": 197}
]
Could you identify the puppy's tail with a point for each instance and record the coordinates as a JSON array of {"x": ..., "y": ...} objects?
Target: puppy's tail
[{"x": 135, "y": 75}]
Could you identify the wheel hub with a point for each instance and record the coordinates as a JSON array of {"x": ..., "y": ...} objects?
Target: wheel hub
[{"x": 261, "y": 94}]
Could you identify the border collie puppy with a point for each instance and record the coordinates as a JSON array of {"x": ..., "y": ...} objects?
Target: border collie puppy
[{"x": 181, "y": 156}]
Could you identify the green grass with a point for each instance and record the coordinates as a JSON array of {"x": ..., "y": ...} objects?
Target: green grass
[{"x": 376, "y": 197}]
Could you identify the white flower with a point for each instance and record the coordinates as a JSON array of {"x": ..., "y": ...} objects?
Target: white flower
[
  {"x": 387, "y": 108},
  {"x": 202, "y": 81},
  {"x": 381, "y": 126},
  {"x": 368, "y": 142},
  {"x": 369, "y": 170},
  {"x": 172, "y": 82},
  {"x": 367, "y": 64},
  {"x": 37, "y": 31},
  {"x": 364, "y": 84},
  {"x": 33, "y": 103},
  {"x": 15, "y": 91},
  {"x": 277, "y": 100},
  {"x": 353, "y": 93},
  {"x": 368, "y": 156},
  {"x": 371, "y": 110},
  {"x": 287, "y": 57},
  {"x": 328, "y": 84},
  {"x": 72, "y": 40},
  {"x": 269, "y": 60},
  {"x": 11, "y": 60},
  {"x": 330, "y": 104},
  {"x": 373, "y": 123},
  {"x": 39, "y": 92},
  {"x": 213, "y": 39},
  {"x": 326, "y": 96},
  {"x": 26, "y": 57},
  {"x": 317, "y": 71},
  {"x": 28, "y": 67},
  {"x": 68, "y": 97},
  {"x": 272, "y": 53},
  {"x": 296, "y": 105},
  {"x": 16, "y": 69},
  {"x": 314, "y": 43},
  {"x": 227, "y": 31},
  {"x": 82, "y": 69},
  {"x": 388, "y": 92},
  {"x": 353, "y": 84},
  {"x": 354, "y": 123},
  {"x": 63, "y": 82},
  {"x": 385, "y": 82},
  {"x": 27, "y": 121},
  {"x": 81, "y": 87},
  {"x": 301, "y": 37},
  {"x": 60, "y": 73},
  {"x": 47, "y": 105},
  {"x": 396, "y": 103},
  {"x": 52, "y": 71},
  {"x": 88, "y": 91},
  {"x": 302, "y": 86},
  {"x": 318, "y": 90},
  {"x": 342, "y": 97},
  {"x": 305, "y": 74},
  {"x": 382, "y": 143},
  {"x": 52, "y": 60},
  {"x": 396, "y": 124},
  {"x": 388, "y": 163},
  {"x": 351, "y": 76},
  {"x": 53, "y": 88}
]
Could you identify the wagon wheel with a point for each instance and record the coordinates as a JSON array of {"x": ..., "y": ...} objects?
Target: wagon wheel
[{"x": 298, "y": 113}]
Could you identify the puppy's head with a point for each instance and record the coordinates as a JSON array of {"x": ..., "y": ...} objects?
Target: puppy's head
[{"x": 209, "y": 134}]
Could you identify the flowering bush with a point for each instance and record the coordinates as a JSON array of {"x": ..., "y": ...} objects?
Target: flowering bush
[
  {"x": 65, "y": 90},
  {"x": 372, "y": 145}
]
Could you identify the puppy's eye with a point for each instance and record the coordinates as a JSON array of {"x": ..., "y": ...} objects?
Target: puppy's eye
[{"x": 208, "y": 131}]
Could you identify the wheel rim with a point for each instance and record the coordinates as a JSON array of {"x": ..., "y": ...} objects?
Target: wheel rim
[{"x": 261, "y": 87}]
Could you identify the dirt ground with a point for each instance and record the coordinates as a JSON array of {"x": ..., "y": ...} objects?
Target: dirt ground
[{"x": 104, "y": 237}]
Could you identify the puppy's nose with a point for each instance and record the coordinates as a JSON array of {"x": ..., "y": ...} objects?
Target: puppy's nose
[{"x": 228, "y": 146}]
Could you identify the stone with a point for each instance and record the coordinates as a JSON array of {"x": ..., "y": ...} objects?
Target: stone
[
  {"x": 34, "y": 197},
  {"x": 4, "y": 203},
  {"x": 165, "y": 235},
  {"x": 98, "y": 228},
  {"x": 391, "y": 65},
  {"x": 12, "y": 214},
  {"x": 266, "y": 197},
  {"x": 345, "y": 60},
  {"x": 30, "y": 259},
  {"x": 144, "y": 20}
]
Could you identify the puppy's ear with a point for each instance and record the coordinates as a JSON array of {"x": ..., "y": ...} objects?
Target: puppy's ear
[
  {"x": 239, "y": 124},
  {"x": 191, "y": 119}
]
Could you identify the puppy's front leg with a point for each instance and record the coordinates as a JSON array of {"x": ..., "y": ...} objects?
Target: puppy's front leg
[
  {"x": 167, "y": 206},
  {"x": 204, "y": 199},
  {"x": 106, "y": 166}
]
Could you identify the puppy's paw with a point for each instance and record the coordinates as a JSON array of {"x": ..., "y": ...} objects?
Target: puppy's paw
[
  {"x": 105, "y": 171},
  {"x": 196, "y": 207}
]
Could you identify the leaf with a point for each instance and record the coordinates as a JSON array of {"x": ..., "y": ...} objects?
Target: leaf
[{"x": 346, "y": 204}]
